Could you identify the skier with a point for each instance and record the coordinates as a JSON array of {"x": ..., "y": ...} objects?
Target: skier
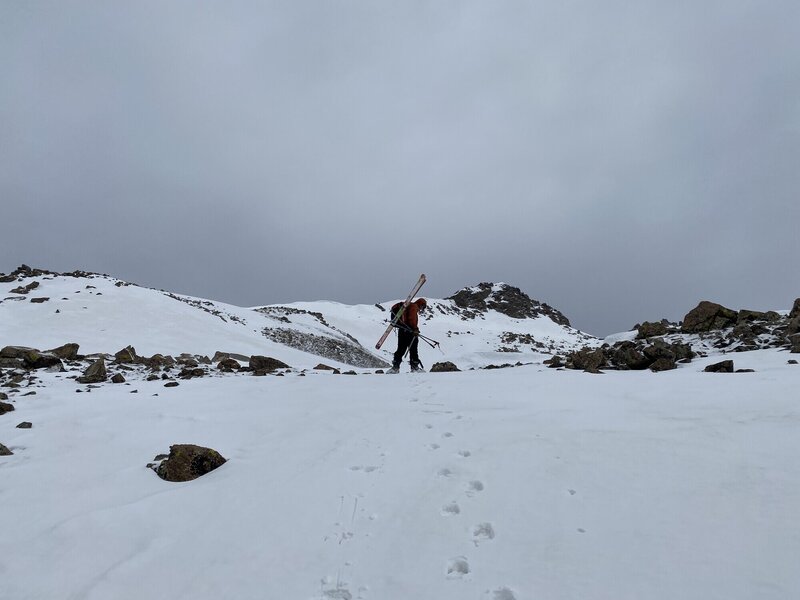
[{"x": 407, "y": 332}]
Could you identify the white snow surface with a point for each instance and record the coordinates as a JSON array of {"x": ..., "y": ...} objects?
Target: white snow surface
[
  {"x": 510, "y": 484},
  {"x": 523, "y": 483}
]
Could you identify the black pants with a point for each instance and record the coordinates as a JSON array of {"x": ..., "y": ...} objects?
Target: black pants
[{"x": 406, "y": 338}]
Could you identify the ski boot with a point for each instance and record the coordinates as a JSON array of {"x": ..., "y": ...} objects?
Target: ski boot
[
  {"x": 394, "y": 370},
  {"x": 417, "y": 367}
]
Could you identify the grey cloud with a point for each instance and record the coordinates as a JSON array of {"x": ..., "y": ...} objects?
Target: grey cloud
[{"x": 619, "y": 161}]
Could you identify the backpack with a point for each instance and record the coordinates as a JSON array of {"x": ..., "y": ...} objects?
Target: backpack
[{"x": 394, "y": 310}]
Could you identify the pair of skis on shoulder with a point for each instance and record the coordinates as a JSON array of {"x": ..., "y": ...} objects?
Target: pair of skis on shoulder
[{"x": 400, "y": 312}]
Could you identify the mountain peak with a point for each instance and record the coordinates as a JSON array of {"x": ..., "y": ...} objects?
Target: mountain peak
[{"x": 505, "y": 299}]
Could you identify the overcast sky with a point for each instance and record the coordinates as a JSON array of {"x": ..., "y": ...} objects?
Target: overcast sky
[{"x": 619, "y": 160}]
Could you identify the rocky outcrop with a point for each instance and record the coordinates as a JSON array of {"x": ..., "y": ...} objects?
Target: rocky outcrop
[
  {"x": 339, "y": 349},
  {"x": 24, "y": 289},
  {"x": 187, "y": 462},
  {"x": 629, "y": 355},
  {"x": 30, "y": 358},
  {"x": 96, "y": 373},
  {"x": 708, "y": 316},
  {"x": 5, "y": 407},
  {"x": 5, "y": 451},
  {"x": 505, "y": 299},
  {"x": 118, "y": 378},
  {"x": 444, "y": 367}
]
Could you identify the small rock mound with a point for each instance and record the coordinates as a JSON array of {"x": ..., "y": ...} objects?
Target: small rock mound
[
  {"x": 5, "y": 451},
  {"x": 444, "y": 367},
  {"x": 5, "y": 407},
  {"x": 187, "y": 462}
]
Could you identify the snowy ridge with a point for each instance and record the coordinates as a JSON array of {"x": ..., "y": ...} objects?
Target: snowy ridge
[{"x": 104, "y": 314}]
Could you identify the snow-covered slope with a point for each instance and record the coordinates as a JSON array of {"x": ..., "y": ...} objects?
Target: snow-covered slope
[
  {"x": 514, "y": 484},
  {"x": 104, "y": 314},
  {"x": 509, "y": 484}
]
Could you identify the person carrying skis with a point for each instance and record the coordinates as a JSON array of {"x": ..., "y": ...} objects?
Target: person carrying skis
[{"x": 407, "y": 334}]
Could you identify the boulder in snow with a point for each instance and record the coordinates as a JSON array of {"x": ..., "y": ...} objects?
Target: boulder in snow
[
  {"x": 5, "y": 451},
  {"x": 444, "y": 367},
  {"x": 187, "y": 462},
  {"x": 5, "y": 407},
  {"x": 65, "y": 352},
  {"x": 266, "y": 364},
  {"x": 725, "y": 366},
  {"x": 96, "y": 373},
  {"x": 708, "y": 316}
]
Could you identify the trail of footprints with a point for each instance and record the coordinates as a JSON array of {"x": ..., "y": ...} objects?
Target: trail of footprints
[{"x": 457, "y": 567}]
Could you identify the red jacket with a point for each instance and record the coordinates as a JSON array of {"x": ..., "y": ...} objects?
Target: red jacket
[{"x": 411, "y": 313}]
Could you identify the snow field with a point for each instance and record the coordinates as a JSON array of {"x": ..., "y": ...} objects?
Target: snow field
[{"x": 499, "y": 485}]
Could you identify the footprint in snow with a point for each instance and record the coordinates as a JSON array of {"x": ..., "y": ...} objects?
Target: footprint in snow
[
  {"x": 450, "y": 510},
  {"x": 474, "y": 486},
  {"x": 366, "y": 469},
  {"x": 482, "y": 532},
  {"x": 464, "y": 453},
  {"x": 447, "y": 434},
  {"x": 434, "y": 446},
  {"x": 502, "y": 593},
  {"x": 457, "y": 567},
  {"x": 445, "y": 472}
]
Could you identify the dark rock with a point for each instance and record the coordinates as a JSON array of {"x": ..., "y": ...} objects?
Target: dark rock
[
  {"x": 444, "y": 367},
  {"x": 708, "y": 316},
  {"x": 25, "y": 425},
  {"x": 187, "y": 361},
  {"x": 794, "y": 343},
  {"x": 12, "y": 363},
  {"x": 16, "y": 351},
  {"x": 726, "y": 366},
  {"x": 265, "y": 363},
  {"x": 5, "y": 451},
  {"x": 791, "y": 361},
  {"x": 323, "y": 367},
  {"x": 349, "y": 373},
  {"x": 25, "y": 289},
  {"x": 42, "y": 360},
  {"x": 3, "y": 396},
  {"x": 754, "y": 315},
  {"x": 5, "y": 407},
  {"x": 218, "y": 356},
  {"x": 189, "y": 373},
  {"x": 39, "y": 300},
  {"x": 126, "y": 355},
  {"x": 187, "y": 462},
  {"x": 663, "y": 364},
  {"x": 152, "y": 377},
  {"x": 555, "y": 362},
  {"x": 627, "y": 355},
  {"x": 587, "y": 359},
  {"x": 228, "y": 364},
  {"x": 96, "y": 373},
  {"x": 648, "y": 329},
  {"x": 745, "y": 370},
  {"x": 118, "y": 378},
  {"x": 65, "y": 352},
  {"x": 171, "y": 384},
  {"x": 795, "y": 312}
]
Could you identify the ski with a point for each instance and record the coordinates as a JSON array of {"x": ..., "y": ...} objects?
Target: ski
[{"x": 399, "y": 314}]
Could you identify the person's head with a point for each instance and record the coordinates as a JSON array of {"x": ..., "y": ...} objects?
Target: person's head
[{"x": 421, "y": 304}]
